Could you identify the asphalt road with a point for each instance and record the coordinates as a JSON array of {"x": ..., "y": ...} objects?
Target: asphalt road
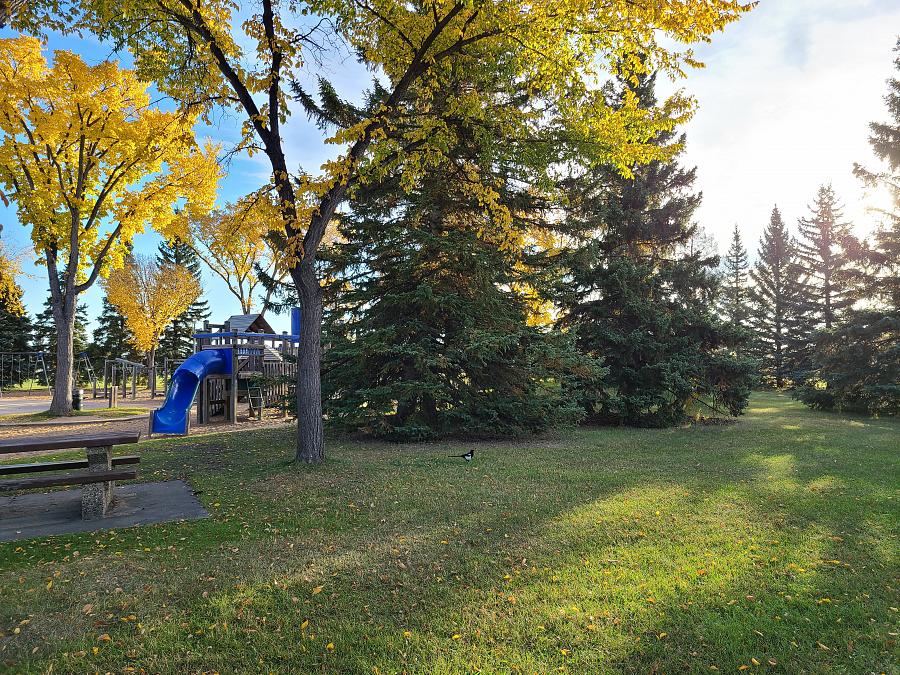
[{"x": 15, "y": 405}]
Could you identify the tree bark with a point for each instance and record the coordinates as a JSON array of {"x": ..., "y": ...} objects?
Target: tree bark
[
  {"x": 151, "y": 372},
  {"x": 64, "y": 318},
  {"x": 310, "y": 432}
]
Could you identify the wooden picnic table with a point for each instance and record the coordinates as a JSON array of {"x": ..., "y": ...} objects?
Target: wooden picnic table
[{"x": 98, "y": 481}]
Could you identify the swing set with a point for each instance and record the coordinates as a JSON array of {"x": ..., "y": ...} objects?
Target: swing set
[{"x": 24, "y": 371}]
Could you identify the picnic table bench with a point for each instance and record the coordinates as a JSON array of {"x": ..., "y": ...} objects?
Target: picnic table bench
[{"x": 97, "y": 481}]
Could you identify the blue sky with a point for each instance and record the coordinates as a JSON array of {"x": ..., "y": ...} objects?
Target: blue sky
[{"x": 784, "y": 104}]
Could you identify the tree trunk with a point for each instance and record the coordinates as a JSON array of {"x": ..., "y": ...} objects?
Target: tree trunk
[
  {"x": 64, "y": 318},
  {"x": 310, "y": 433},
  {"x": 151, "y": 370}
]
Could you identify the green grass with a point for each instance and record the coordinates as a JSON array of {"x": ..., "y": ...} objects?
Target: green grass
[
  {"x": 119, "y": 411},
  {"x": 769, "y": 545}
]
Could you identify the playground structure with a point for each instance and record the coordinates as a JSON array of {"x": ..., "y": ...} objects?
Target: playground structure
[
  {"x": 30, "y": 372},
  {"x": 116, "y": 375},
  {"x": 241, "y": 358},
  {"x": 19, "y": 370}
]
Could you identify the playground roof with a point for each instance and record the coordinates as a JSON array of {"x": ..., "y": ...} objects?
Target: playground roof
[{"x": 248, "y": 323}]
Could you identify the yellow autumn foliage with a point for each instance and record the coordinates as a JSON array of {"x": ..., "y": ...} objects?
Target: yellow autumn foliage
[
  {"x": 150, "y": 295},
  {"x": 88, "y": 161},
  {"x": 10, "y": 291}
]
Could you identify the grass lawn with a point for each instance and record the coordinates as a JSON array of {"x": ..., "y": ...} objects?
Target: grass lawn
[
  {"x": 119, "y": 411},
  {"x": 767, "y": 545}
]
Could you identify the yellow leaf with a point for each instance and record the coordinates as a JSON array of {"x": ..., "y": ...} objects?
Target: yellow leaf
[
  {"x": 304, "y": 624},
  {"x": 456, "y": 636},
  {"x": 317, "y": 590},
  {"x": 104, "y": 638},
  {"x": 330, "y": 646}
]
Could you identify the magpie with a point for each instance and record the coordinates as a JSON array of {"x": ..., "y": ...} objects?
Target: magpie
[{"x": 468, "y": 456}]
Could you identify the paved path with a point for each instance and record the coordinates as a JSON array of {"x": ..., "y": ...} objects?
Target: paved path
[{"x": 17, "y": 405}]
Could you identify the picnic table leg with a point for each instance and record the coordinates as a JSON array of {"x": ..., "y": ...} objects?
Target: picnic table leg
[{"x": 96, "y": 498}]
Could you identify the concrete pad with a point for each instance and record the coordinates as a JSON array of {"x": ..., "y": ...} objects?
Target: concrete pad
[{"x": 42, "y": 515}]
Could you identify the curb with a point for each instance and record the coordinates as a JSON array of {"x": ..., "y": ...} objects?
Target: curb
[{"x": 72, "y": 423}]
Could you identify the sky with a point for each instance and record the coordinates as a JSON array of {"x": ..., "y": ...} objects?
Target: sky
[{"x": 784, "y": 105}]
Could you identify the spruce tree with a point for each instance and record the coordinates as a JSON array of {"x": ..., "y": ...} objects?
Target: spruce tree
[
  {"x": 734, "y": 292},
  {"x": 774, "y": 301},
  {"x": 15, "y": 325},
  {"x": 637, "y": 290},
  {"x": 177, "y": 342},
  {"x": 822, "y": 252},
  {"x": 112, "y": 339},
  {"x": 858, "y": 362},
  {"x": 430, "y": 326}
]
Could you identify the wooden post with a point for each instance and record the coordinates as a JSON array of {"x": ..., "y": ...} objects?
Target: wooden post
[{"x": 114, "y": 389}]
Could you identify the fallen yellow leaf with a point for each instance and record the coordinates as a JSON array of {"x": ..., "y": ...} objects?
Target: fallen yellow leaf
[
  {"x": 330, "y": 646},
  {"x": 317, "y": 590}
]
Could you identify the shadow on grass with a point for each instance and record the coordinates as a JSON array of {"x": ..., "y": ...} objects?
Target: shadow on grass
[{"x": 618, "y": 550}]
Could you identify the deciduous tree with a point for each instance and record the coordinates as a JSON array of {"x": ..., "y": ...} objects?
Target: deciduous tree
[
  {"x": 89, "y": 163},
  {"x": 557, "y": 50},
  {"x": 149, "y": 295},
  {"x": 15, "y": 327},
  {"x": 177, "y": 341},
  {"x": 236, "y": 243}
]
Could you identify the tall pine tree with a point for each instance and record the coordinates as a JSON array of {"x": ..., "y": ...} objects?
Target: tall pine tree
[
  {"x": 774, "y": 302},
  {"x": 734, "y": 292},
  {"x": 112, "y": 339},
  {"x": 15, "y": 325},
  {"x": 858, "y": 362},
  {"x": 428, "y": 326},
  {"x": 636, "y": 289},
  {"x": 822, "y": 251},
  {"x": 177, "y": 341}
]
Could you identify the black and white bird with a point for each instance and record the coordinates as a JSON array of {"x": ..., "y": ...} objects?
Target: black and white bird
[{"x": 468, "y": 456}]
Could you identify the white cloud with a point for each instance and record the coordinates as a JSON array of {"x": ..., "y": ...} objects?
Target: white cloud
[{"x": 784, "y": 105}]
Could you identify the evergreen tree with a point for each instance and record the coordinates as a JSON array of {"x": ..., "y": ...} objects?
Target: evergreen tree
[
  {"x": 775, "y": 303},
  {"x": 177, "y": 342},
  {"x": 112, "y": 339},
  {"x": 427, "y": 328},
  {"x": 823, "y": 254},
  {"x": 637, "y": 289},
  {"x": 858, "y": 362},
  {"x": 734, "y": 292},
  {"x": 15, "y": 325}
]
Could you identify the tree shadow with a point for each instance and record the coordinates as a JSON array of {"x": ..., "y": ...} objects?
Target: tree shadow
[{"x": 618, "y": 552}]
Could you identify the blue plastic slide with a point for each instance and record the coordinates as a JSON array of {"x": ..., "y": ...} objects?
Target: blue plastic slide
[{"x": 172, "y": 417}]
